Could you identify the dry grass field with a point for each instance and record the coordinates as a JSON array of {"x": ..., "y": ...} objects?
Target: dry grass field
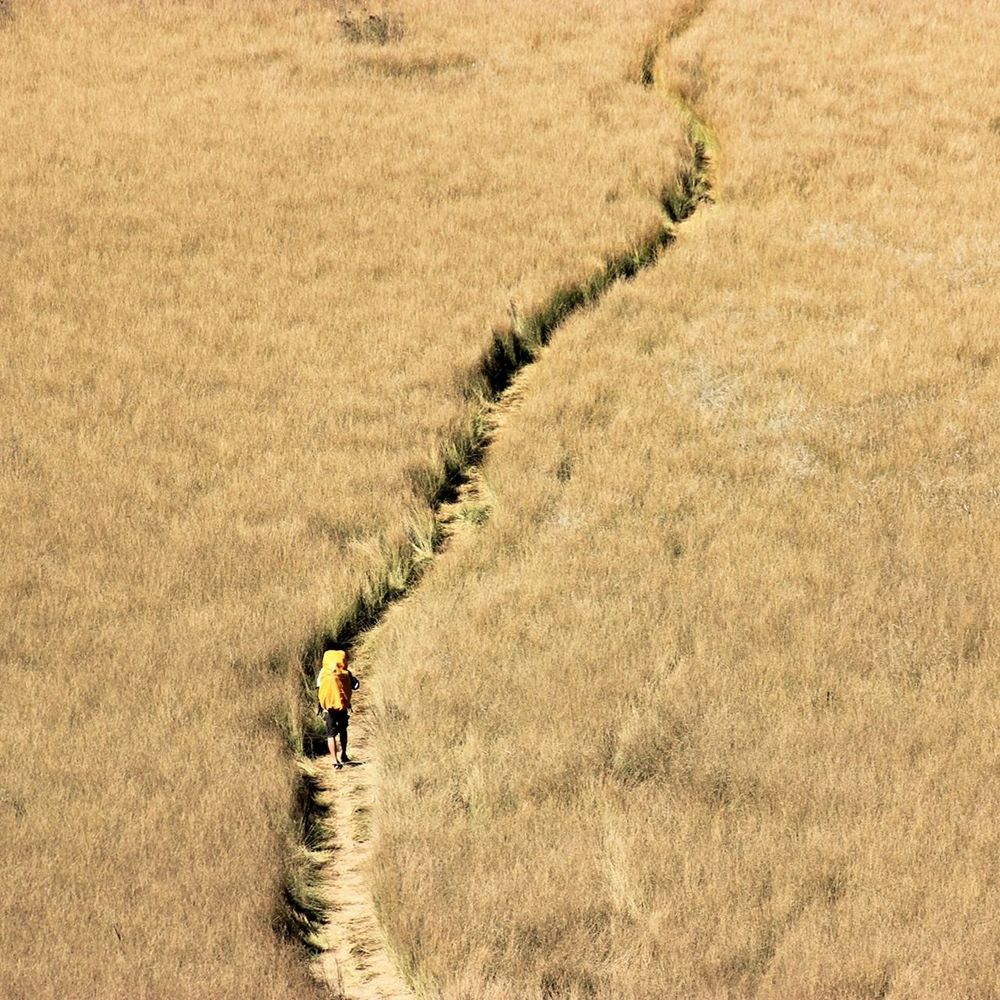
[
  {"x": 709, "y": 707},
  {"x": 251, "y": 255}
]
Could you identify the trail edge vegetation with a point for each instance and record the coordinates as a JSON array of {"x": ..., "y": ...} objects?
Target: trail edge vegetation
[{"x": 302, "y": 908}]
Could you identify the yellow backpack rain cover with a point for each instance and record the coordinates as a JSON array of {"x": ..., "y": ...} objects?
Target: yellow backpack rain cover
[{"x": 334, "y": 689}]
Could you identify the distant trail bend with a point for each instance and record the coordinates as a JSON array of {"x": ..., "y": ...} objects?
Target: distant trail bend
[{"x": 356, "y": 961}]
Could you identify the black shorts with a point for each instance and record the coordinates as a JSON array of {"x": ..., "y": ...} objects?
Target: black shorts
[{"x": 336, "y": 722}]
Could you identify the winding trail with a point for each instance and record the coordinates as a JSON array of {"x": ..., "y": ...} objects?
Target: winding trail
[{"x": 355, "y": 961}]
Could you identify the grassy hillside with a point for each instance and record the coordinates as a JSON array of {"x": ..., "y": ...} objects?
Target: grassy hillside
[
  {"x": 252, "y": 253},
  {"x": 709, "y": 706}
]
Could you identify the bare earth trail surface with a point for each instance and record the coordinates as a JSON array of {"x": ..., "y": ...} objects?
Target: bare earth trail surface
[
  {"x": 356, "y": 964},
  {"x": 357, "y": 961}
]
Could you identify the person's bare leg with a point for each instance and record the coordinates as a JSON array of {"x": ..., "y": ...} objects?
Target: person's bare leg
[
  {"x": 331, "y": 742},
  {"x": 343, "y": 744}
]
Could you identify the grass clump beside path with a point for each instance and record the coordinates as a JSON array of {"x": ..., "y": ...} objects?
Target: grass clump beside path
[
  {"x": 250, "y": 264},
  {"x": 708, "y": 707}
]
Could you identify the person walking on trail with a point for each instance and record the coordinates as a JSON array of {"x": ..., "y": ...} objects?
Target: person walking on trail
[{"x": 334, "y": 686}]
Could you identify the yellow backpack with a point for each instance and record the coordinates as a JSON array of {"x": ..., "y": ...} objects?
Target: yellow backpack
[{"x": 334, "y": 681}]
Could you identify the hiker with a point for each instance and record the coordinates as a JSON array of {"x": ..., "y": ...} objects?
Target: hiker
[{"x": 334, "y": 687}]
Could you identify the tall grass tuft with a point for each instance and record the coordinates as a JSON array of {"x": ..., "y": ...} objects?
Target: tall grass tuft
[{"x": 372, "y": 27}]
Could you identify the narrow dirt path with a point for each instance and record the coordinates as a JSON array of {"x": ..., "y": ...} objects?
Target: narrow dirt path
[{"x": 357, "y": 962}]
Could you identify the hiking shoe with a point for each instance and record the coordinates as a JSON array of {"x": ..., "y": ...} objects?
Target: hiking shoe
[
  {"x": 337, "y": 765},
  {"x": 344, "y": 759}
]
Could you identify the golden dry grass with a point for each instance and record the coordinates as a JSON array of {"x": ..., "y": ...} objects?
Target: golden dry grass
[
  {"x": 709, "y": 707},
  {"x": 249, "y": 265}
]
